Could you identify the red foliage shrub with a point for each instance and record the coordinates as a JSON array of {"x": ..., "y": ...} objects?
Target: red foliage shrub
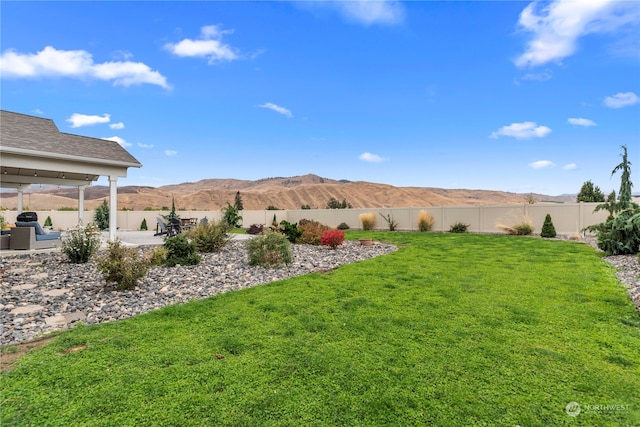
[{"x": 332, "y": 238}]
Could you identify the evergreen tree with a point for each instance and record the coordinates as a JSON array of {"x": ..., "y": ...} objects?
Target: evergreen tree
[
  {"x": 238, "y": 202},
  {"x": 624, "y": 195},
  {"x": 101, "y": 216},
  {"x": 590, "y": 193},
  {"x": 548, "y": 230}
]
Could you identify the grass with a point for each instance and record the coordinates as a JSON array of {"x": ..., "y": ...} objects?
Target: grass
[{"x": 449, "y": 330}]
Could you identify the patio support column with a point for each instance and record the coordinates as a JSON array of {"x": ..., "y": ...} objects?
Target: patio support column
[
  {"x": 20, "y": 200},
  {"x": 113, "y": 207},
  {"x": 81, "y": 203}
]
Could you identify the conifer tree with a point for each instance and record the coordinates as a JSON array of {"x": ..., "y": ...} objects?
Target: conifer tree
[{"x": 548, "y": 230}]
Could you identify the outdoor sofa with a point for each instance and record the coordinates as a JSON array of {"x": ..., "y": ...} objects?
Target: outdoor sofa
[{"x": 30, "y": 235}]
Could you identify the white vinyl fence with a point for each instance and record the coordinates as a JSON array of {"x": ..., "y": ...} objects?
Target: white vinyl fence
[{"x": 568, "y": 218}]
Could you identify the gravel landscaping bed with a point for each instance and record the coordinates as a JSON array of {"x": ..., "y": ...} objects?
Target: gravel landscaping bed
[{"x": 43, "y": 292}]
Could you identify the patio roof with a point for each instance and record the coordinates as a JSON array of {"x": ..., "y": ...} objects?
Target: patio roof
[{"x": 34, "y": 151}]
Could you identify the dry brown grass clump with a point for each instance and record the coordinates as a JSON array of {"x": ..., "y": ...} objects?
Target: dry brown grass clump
[
  {"x": 368, "y": 221},
  {"x": 425, "y": 221},
  {"x": 515, "y": 223}
]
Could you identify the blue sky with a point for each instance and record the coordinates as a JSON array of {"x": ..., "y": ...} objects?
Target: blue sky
[{"x": 513, "y": 96}]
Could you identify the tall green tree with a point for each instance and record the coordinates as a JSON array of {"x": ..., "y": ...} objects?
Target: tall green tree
[
  {"x": 590, "y": 193},
  {"x": 624, "y": 195},
  {"x": 172, "y": 214},
  {"x": 333, "y": 203}
]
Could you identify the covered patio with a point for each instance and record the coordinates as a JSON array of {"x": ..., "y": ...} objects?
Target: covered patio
[{"x": 34, "y": 151}]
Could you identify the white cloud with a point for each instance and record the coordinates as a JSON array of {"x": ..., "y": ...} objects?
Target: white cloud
[
  {"x": 78, "y": 120},
  {"x": 209, "y": 46},
  {"x": 569, "y": 166},
  {"x": 117, "y": 126},
  {"x": 541, "y": 164},
  {"x": 373, "y": 158},
  {"x": 38, "y": 111},
  {"x": 145, "y": 145},
  {"x": 79, "y": 64},
  {"x": 369, "y": 12},
  {"x": 558, "y": 25},
  {"x": 277, "y": 109},
  {"x": 524, "y": 130},
  {"x": 620, "y": 100},
  {"x": 119, "y": 140},
  {"x": 581, "y": 122},
  {"x": 170, "y": 153}
]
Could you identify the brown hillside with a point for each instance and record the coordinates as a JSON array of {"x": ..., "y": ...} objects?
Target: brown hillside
[{"x": 283, "y": 193}]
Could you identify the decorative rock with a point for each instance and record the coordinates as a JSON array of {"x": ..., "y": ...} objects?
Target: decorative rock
[
  {"x": 55, "y": 292},
  {"x": 26, "y": 309},
  {"x": 22, "y": 287}
]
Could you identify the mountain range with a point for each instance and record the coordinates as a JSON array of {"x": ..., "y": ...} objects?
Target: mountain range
[{"x": 281, "y": 192}]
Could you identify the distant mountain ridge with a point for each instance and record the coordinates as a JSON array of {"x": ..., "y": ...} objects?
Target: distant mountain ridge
[{"x": 281, "y": 192}]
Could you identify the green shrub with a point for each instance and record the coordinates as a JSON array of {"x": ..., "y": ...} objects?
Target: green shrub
[
  {"x": 523, "y": 229},
  {"x": 47, "y": 222},
  {"x": 180, "y": 251},
  {"x": 390, "y": 222},
  {"x": 290, "y": 230},
  {"x": 231, "y": 216},
  {"x": 122, "y": 265},
  {"x": 311, "y": 231},
  {"x": 343, "y": 226},
  {"x": 158, "y": 256},
  {"x": 143, "y": 225},
  {"x": 210, "y": 236},
  {"x": 3, "y": 222},
  {"x": 101, "y": 216},
  {"x": 80, "y": 243},
  {"x": 269, "y": 250},
  {"x": 548, "y": 230},
  {"x": 458, "y": 227},
  {"x": 620, "y": 235}
]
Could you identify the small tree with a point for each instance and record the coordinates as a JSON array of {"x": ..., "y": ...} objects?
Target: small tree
[
  {"x": 101, "y": 216},
  {"x": 624, "y": 195},
  {"x": 47, "y": 222},
  {"x": 143, "y": 225},
  {"x": 548, "y": 230},
  {"x": 231, "y": 216},
  {"x": 590, "y": 193},
  {"x": 238, "y": 202},
  {"x": 172, "y": 214}
]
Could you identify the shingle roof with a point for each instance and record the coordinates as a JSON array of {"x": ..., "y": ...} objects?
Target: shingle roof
[{"x": 41, "y": 135}]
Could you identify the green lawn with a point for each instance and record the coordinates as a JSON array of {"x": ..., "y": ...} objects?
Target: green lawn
[{"x": 450, "y": 330}]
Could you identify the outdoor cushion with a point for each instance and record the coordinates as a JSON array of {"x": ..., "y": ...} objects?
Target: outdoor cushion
[{"x": 40, "y": 234}]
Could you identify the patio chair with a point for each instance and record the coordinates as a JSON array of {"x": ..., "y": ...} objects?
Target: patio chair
[{"x": 161, "y": 227}]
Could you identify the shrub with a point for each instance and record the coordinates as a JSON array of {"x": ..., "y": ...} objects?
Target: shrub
[
  {"x": 332, "y": 238},
  {"x": 80, "y": 243},
  {"x": 425, "y": 221},
  {"x": 621, "y": 235},
  {"x": 101, "y": 216},
  {"x": 290, "y": 230},
  {"x": 516, "y": 224},
  {"x": 269, "y": 250},
  {"x": 3, "y": 222},
  {"x": 390, "y": 222},
  {"x": 458, "y": 227},
  {"x": 180, "y": 251},
  {"x": 343, "y": 226},
  {"x": 368, "y": 221},
  {"x": 210, "y": 237},
  {"x": 143, "y": 224},
  {"x": 122, "y": 265},
  {"x": 158, "y": 256},
  {"x": 47, "y": 222},
  {"x": 548, "y": 230},
  {"x": 231, "y": 216},
  {"x": 255, "y": 229},
  {"x": 311, "y": 231}
]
